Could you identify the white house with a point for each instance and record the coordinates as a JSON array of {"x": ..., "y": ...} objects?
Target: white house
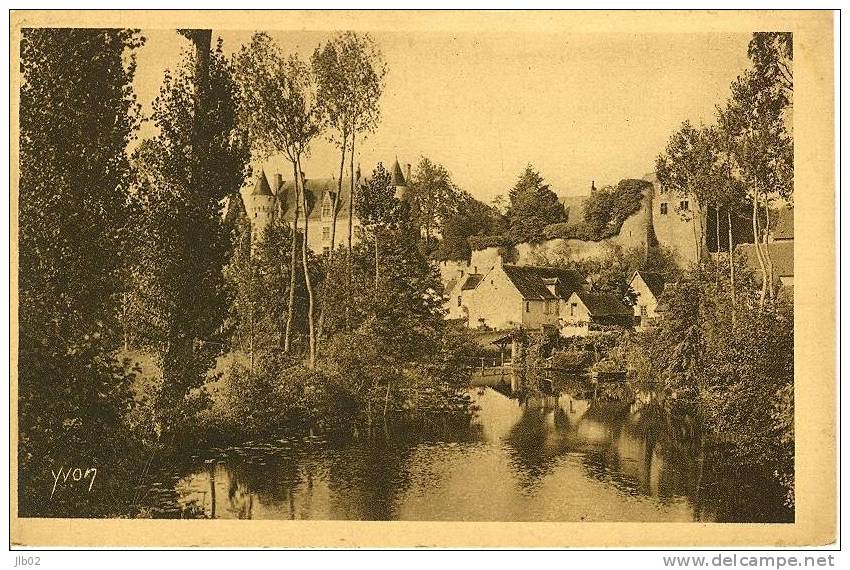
[
  {"x": 587, "y": 313},
  {"x": 648, "y": 287},
  {"x": 511, "y": 296}
]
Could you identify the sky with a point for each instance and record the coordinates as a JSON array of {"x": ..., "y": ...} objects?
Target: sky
[{"x": 580, "y": 107}]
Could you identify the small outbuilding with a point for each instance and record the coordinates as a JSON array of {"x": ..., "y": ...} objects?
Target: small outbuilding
[
  {"x": 648, "y": 287},
  {"x": 589, "y": 313}
]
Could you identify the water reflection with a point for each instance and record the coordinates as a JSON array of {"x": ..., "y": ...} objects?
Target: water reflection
[{"x": 564, "y": 457}]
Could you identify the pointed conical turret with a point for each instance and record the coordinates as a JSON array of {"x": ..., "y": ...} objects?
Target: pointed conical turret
[
  {"x": 397, "y": 176},
  {"x": 399, "y": 182},
  {"x": 262, "y": 208},
  {"x": 262, "y": 188}
]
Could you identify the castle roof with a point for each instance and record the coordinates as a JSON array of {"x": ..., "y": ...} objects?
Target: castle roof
[
  {"x": 529, "y": 281},
  {"x": 397, "y": 176},
  {"x": 317, "y": 190},
  {"x": 262, "y": 188}
]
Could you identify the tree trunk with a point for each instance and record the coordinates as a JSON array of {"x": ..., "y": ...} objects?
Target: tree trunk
[
  {"x": 251, "y": 312},
  {"x": 731, "y": 264},
  {"x": 757, "y": 245},
  {"x": 767, "y": 259},
  {"x": 202, "y": 40},
  {"x": 377, "y": 262},
  {"x": 324, "y": 302},
  {"x": 350, "y": 228},
  {"x": 717, "y": 243},
  {"x": 387, "y": 399},
  {"x": 287, "y": 343},
  {"x": 307, "y": 281}
]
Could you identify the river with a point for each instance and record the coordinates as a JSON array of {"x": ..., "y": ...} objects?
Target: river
[{"x": 562, "y": 457}]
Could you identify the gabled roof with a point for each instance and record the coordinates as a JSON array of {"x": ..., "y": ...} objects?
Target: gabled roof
[
  {"x": 781, "y": 255},
  {"x": 317, "y": 190},
  {"x": 529, "y": 282},
  {"x": 604, "y": 304},
  {"x": 784, "y": 228},
  {"x": 655, "y": 281},
  {"x": 472, "y": 281},
  {"x": 262, "y": 188},
  {"x": 397, "y": 176}
]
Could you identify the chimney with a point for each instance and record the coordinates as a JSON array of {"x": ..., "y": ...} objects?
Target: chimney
[
  {"x": 407, "y": 177},
  {"x": 358, "y": 172},
  {"x": 278, "y": 179},
  {"x": 593, "y": 185}
]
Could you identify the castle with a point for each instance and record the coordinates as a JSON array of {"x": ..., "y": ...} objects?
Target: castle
[
  {"x": 663, "y": 219},
  {"x": 277, "y": 200},
  {"x": 503, "y": 289}
]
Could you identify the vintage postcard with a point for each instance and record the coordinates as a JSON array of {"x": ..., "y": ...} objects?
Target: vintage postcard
[{"x": 408, "y": 278}]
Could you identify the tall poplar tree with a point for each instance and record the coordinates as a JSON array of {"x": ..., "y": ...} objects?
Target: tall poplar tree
[
  {"x": 78, "y": 112},
  {"x": 183, "y": 242},
  {"x": 279, "y": 109}
]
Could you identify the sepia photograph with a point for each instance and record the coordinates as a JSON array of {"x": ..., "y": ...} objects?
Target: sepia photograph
[{"x": 273, "y": 270}]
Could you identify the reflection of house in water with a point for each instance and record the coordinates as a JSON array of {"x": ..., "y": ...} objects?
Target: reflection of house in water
[{"x": 628, "y": 444}]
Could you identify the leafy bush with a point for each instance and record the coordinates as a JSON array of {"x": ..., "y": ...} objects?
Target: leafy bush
[{"x": 483, "y": 242}]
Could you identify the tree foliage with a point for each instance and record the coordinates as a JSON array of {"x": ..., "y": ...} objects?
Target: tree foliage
[
  {"x": 78, "y": 113},
  {"x": 434, "y": 198},
  {"x": 533, "y": 207},
  {"x": 183, "y": 243},
  {"x": 473, "y": 221}
]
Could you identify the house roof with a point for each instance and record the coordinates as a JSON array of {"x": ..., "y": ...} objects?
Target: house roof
[
  {"x": 529, "y": 281},
  {"x": 655, "y": 281},
  {"x": 472, "y": 281},
  {"x": 397, "y": 176},
  {"x": 262, "y": 188},
  {"x": 781, "y": 255},
  {"x": 485, "y": 339},
  {"x": 603, "y": 304},
  {"x": 784, "y": 228}
]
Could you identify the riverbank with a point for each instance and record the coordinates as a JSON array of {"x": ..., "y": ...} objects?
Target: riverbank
[{"x": 560, "y": 457}]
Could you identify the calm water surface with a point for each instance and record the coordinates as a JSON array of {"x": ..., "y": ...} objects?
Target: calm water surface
[{"x": 558, "y": 458}]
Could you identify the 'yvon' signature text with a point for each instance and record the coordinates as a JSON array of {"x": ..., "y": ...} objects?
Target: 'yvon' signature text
[{"x": 75, "y": 474}]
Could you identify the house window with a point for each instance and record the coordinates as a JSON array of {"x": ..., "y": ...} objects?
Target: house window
[
  {"x": 557, "y": 308},
  {"x": 683, "y": 205},
  {"x": 326, "y": 249},
  {"x": 326, "y": 233},
  {"x": 573, "y": 309},
  {"x": 643, "y": 311},
  {"x": 326, "y": 209},
  {"x": 664, "y": 208},
  {"x": 527, "y": 306},
  {"x": 459, "y": 300},
  {"x": 546, "y": 307}
]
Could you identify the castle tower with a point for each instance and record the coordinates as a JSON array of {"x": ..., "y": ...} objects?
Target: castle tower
[
  {"x": 398, "y": 180},
  {"x": 262, "y": 206}
]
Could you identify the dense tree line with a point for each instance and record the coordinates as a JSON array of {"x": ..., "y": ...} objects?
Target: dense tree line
[{"x": 78, "y": 113}]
